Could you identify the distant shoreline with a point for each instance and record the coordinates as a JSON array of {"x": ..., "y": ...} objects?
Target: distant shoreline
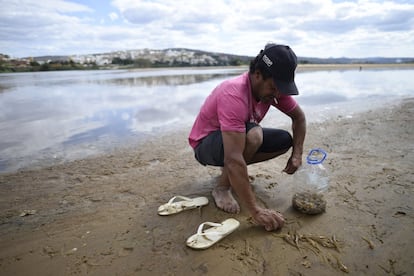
[
  {"x": 300, "y": 68},
  {"x": 356, "y": 66}
]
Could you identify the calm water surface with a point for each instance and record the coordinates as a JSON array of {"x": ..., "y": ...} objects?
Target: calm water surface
[{"x": 50, "y": 117}]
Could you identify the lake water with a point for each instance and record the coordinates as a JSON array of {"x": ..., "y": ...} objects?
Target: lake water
[{"x": 50, "y": 117}]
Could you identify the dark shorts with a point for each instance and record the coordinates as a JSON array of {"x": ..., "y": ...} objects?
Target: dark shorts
[{"x": 210, "y": 150}]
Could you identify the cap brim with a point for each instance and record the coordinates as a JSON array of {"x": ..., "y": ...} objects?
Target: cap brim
[{"x": 286, "y": 88}]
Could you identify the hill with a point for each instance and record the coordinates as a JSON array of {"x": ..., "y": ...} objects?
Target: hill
[{"x": 191, "y": 57}]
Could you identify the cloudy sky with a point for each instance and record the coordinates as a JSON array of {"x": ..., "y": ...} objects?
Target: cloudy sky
[{"x": 313, "y": 28}]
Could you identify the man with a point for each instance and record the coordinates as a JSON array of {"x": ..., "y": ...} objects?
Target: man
[{"x": 227, "y": 133}]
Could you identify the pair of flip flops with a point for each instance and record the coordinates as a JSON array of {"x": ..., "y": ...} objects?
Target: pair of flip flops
[{"x": 208, "y": 233}]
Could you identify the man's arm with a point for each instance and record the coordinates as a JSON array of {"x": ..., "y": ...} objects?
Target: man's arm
[
  {"x": 234, "y": 163},
  {"x": 299, "y": 133}
]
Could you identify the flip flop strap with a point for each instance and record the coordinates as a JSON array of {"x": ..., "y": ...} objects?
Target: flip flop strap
[
  {"x": 200, "y": 228},
  {"x": 180, "y": 197}
]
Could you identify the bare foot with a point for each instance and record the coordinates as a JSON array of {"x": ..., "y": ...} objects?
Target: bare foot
[{"x": 224, "y": 199}]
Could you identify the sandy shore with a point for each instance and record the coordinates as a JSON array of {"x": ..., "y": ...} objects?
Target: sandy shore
[{"x": 99, "y": 216}]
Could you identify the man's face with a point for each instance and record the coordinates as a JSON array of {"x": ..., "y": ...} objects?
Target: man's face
[{"x": 265, "y": 90}]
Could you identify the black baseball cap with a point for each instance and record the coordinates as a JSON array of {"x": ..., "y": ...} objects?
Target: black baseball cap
[{"x": 281, "y": 62}]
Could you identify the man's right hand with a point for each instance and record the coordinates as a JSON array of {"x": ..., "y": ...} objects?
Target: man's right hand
[{"x": 270, "y": 219}]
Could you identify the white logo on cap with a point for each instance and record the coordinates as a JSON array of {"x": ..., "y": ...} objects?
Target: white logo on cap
[{"x": 267, "y": 61}]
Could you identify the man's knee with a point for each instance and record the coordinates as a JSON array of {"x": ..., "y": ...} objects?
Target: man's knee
[
  {"x": 254, "y": 137},
  {"x": 276, "y": 140}
]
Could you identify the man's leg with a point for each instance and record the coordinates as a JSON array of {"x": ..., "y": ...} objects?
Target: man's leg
[
  {"x": 210, "y": 152},
  {"x": 223, "y": 196},
  {"x": 222, "y": 191},
  {"x": 261, "y": 145}
]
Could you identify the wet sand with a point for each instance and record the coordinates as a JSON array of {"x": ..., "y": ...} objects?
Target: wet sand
[{"x": 98, "y": 216}]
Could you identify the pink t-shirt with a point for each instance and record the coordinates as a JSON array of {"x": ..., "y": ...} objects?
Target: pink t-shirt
[{"x": 230, "y": 106}]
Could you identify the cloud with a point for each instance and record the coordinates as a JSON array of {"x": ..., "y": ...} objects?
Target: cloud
[
  {"x": 312, "y": 27},
  {"x": 145, "y": 14},
  {"x": 351, "y": 16},
  {"x": 113, "y": 16}
]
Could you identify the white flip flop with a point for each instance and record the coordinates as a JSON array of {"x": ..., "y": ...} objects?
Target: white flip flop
[
  {"x": 205, "y": 238},
  {"x": 178, "y": 204}
]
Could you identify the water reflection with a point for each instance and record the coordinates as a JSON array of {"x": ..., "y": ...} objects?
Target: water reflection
[
  {"x": 162, "y": 80},
  {"x": 49, "y": 115},
  {"x": 150, "y": 77},
  {"x": 55, "y": 116}
]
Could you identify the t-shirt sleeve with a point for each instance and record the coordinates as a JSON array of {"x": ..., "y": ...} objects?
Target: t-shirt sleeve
[
  {"x": 231, "y": 112},
  {"x": 286, "y": 103}
]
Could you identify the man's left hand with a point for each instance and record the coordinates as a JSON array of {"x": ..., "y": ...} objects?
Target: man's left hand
[{"x": 293, "y": 164}]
